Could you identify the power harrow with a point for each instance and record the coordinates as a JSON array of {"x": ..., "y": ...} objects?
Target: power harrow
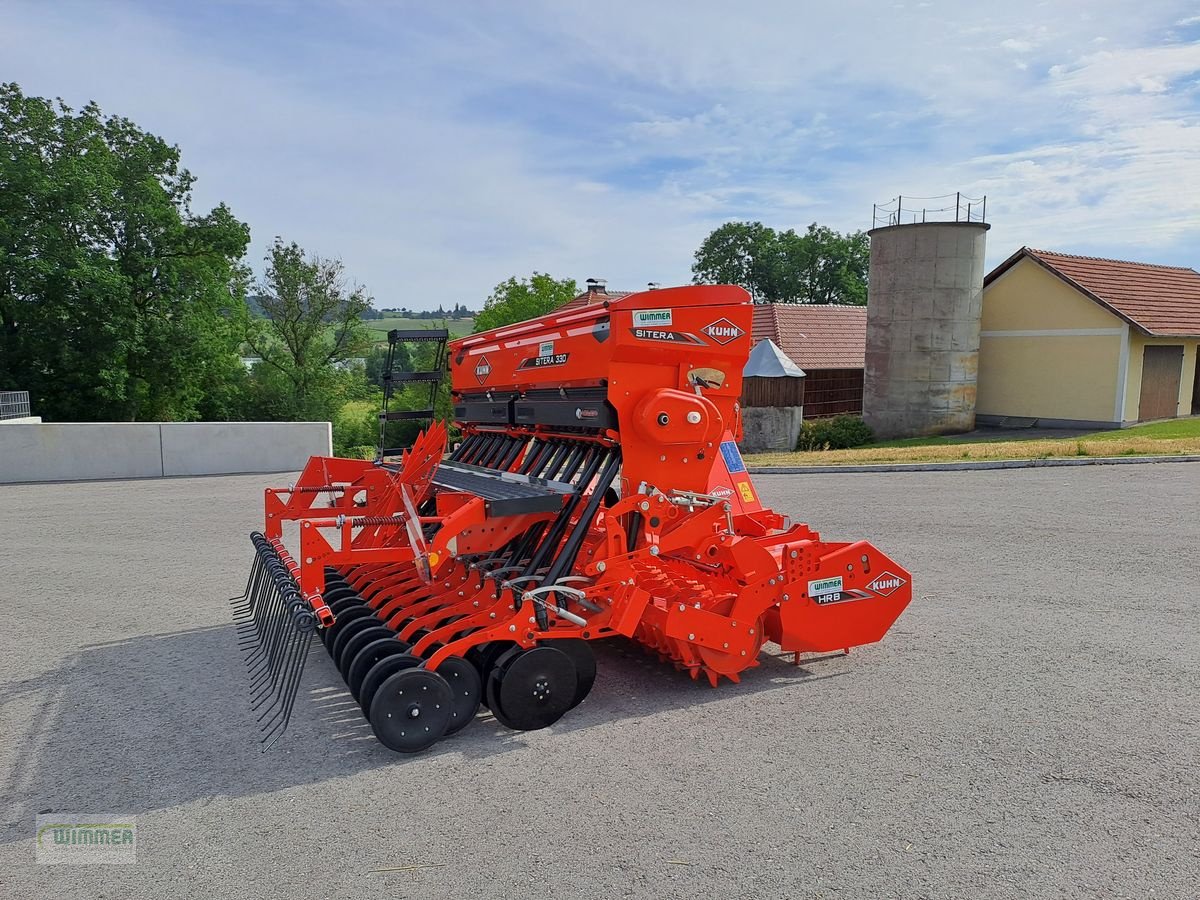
[{"x": 597, "y": 491}]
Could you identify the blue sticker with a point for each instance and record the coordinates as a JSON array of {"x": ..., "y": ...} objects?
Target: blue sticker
[{"x": 733, "y": 459}]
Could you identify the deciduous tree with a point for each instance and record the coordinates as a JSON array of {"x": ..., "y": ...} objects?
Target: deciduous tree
[
  {"x": 116, "y": 300},
  {"x": 819, "y": 265},
  {"x": 312, "y": 319},
  {"x": 516, "y": 299}
]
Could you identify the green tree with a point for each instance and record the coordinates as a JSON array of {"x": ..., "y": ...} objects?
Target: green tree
[
  {"x": 742, "y": 253},
  {"x": 516, "y": 300},
  {"x": 116, "y": 301},
  {"x": 312, "y": 320},
  {"x": 820, "y": 265}
]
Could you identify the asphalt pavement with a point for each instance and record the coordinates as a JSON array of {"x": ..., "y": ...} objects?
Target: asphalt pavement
[{"x": 1030, "y": 728}]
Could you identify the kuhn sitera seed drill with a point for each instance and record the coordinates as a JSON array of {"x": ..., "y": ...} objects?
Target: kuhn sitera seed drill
[{"x": 597, "y": 491}]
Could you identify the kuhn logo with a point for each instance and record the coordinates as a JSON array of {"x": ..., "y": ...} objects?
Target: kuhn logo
[
  {"x": 483, "y": 369},
  {"x": 722, "y": 331},
  {"x": 886, "y": 584}
]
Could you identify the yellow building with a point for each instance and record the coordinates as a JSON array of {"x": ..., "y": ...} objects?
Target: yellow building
[{"x": 1073, "y": 341}]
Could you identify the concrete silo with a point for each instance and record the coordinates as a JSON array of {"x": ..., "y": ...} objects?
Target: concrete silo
[{"x": 923, "y": 314}]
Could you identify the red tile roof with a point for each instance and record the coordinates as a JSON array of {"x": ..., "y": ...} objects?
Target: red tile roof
[
  {"x": 589, "y": 297},
  {"x": 1160, "y": 300},
  {"x": 815, "y": 336}
]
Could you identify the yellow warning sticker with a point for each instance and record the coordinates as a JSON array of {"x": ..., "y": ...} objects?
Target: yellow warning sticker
[{"x": 747, "y": 492}]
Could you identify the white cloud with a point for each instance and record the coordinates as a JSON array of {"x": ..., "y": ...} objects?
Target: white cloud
[{"x": 438, "y": 152}]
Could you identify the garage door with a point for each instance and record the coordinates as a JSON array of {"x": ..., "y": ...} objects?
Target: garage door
[{"x": 1161, "y": 368}]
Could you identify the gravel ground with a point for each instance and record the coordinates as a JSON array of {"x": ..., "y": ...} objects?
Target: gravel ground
[{"x": 1030, "y": 728}]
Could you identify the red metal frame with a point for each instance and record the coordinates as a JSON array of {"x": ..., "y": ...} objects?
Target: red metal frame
[{"x": 708, "y": 575}]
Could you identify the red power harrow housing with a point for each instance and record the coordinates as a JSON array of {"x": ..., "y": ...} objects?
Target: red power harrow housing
[{"x": 598, "y": 491}]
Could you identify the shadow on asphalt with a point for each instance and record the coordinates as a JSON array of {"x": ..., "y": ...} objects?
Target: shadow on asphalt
[{"x": 156, "y": 722}]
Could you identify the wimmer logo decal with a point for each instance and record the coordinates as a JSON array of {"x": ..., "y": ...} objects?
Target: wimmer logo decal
[
  {"x": 886, "y": 584},
  {"x": 483, "y": 369},
  {"x": 651, "y": 317},
  {"x": 722, "y": 331},
  {"x": 75, "y": 838}
]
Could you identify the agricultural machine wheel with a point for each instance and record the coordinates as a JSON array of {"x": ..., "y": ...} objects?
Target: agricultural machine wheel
[
  {"x": 366, "y": 658},
  {"x": 345, "y": 603},
  {"x": 465, "y": 690},
  {"x": 344, "y": 618},
  {"x": 411, "y": 710},
  {"x": 531, "y": 689},
  {"x": 379, "y": 673},
  {"x": 340, "y": 592},
  {"x": 356, "y": 643},
  {"x": 338, "y": 641},
  {"x": 338, "y": 607},
  {"x": 581, "y": 654},
  {"x": 484, "y": 659}
]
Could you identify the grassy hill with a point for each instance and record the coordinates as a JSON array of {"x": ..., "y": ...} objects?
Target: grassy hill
[{"x": 380, "y": 327}]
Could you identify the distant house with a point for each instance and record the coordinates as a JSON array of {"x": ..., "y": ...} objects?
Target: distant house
[
  {"x": 828, "y": 342},
  {"x": 1085, "y": 342}
]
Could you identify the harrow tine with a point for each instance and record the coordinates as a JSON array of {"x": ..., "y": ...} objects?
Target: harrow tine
[
  {"x": 289, "y": 681},
  {"x": 245, "y": 600},
  {"x": 275, "y": 628},
  {"x": 245, "y": 607}
]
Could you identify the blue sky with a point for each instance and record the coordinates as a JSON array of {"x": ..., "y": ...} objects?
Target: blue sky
[{"x": 438, "y": 149}]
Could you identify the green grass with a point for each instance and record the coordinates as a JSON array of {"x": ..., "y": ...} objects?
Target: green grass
[
  {"x": 380, "y": 327},
  {"x": 1172, "y": 437},
  {"x": 1171, "y": 428}
]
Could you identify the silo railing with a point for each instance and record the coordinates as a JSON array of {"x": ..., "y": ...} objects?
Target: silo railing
[{"x": 957, "y": 207}]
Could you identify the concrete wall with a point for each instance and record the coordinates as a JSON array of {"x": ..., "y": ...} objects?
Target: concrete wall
[
  {"x": 923, "y": 328},
  {"x": 82, "y": 451},
  {"x": 771, "y": 427}
]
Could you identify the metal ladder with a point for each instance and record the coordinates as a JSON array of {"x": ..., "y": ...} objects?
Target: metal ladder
[{"x": 393, "y": 377}]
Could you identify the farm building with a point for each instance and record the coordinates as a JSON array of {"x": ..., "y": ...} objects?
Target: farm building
[
  {"x": 827, "y": 342},
  {"x": 1076, "y": 341}
]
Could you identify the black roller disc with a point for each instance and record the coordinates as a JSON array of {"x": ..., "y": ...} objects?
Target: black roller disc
[
  {"x": 581, "y": 654},
  {"x": 379, "y": 673},
  {"x": 484, "y": 658},
  {"x": 345, "y": 603},
  {"x": 534, "y": 688},
  {"x": 368, "y": 655},
  {"x": 474, "y": 656},
  {"x": 336, "y": 593},
  {"x": 344, "y": 612},
  {"x": 350, "y": 629},
  {"x": 500, "y": 655},
  {"x": 411, "y": 710},
  {"x": 355, "y": 643},
  {"x": 339, "y": 608},
  {"x": 344, "y": 616},
  {"x": 465, "y": 690}
]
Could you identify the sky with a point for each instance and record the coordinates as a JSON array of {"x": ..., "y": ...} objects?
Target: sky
[{"x": 437, "y": 149}]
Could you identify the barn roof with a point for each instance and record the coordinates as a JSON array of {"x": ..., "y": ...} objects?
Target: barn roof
[
  {"x": 1159, "y": 300},
  {"x": 814, "y": 336},
  {"x": 589, "y": 297}
]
